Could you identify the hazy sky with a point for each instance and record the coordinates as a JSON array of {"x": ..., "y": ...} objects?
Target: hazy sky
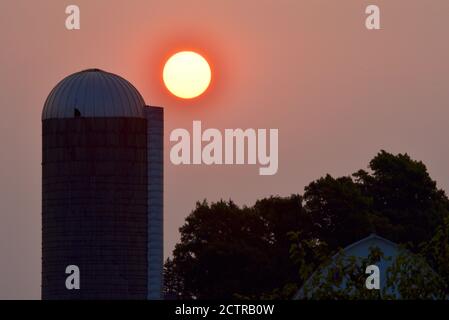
[{"x": 337, "y": 92}]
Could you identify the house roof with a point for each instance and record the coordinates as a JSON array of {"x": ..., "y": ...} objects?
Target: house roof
[
  {"x": 361, "y": 248},
  {"x": 371, "y": 238}
]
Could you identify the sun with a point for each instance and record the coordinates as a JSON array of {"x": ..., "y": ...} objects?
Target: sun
[{"x": 187, "y": 74}]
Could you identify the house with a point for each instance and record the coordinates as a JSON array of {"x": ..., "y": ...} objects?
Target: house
[{"x": 361, "y": 250}]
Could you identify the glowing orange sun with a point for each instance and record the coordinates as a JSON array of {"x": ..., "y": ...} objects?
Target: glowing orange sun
[{"x": 187, "y": 74}]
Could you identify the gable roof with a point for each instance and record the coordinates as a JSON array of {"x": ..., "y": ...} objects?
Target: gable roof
[{"x": 389, "y": 248}]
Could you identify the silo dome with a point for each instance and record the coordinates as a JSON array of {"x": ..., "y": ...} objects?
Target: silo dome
[{"x": 93, "y": 93}]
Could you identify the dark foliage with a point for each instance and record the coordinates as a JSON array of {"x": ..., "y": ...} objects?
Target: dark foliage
[{"x": 231, "y": 252}]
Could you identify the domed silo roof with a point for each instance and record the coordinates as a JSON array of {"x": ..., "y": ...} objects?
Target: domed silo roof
[{"x": 93, "y": 93}]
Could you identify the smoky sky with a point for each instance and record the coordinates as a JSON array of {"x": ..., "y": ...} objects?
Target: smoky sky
[{"x": 337, "y": 92}]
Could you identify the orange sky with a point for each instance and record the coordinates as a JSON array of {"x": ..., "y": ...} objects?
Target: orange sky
[{"x": 337, "y": 93}]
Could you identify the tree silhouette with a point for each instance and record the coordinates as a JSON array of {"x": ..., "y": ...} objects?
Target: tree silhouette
[
  {"x": 226, "y": 250},
  {"x": 406, "y": 201},
  {"x": 265, "y": 251}
]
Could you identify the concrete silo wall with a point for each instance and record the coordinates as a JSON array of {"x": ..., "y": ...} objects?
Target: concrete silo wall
[{"x": 95, "y": 207}]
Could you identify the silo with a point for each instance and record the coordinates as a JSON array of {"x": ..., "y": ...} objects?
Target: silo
[{"x": 97, "y": 187}]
